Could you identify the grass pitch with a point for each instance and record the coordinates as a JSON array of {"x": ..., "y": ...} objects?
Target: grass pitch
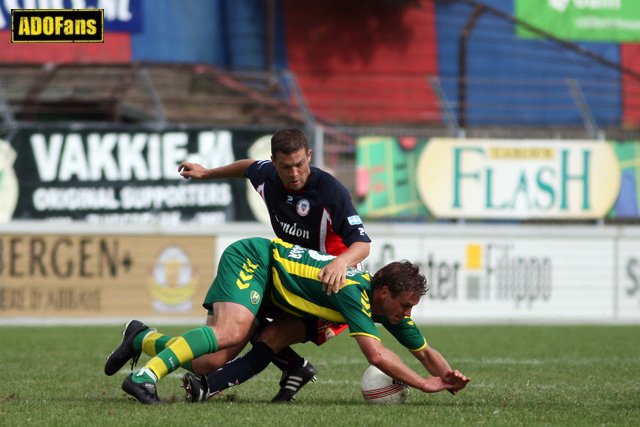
[{"x": 521, "y": 375}]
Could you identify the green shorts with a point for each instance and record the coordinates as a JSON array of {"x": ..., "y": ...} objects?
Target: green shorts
[{"x": 244, "y": 272}]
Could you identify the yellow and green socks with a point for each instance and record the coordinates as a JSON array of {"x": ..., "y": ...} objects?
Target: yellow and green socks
[
  {"x": 182, "y": 350},
  {"x": 153, "y": 343}
]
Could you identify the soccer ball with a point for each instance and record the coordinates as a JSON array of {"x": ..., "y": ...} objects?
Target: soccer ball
[{"x": 378, "y": 387}]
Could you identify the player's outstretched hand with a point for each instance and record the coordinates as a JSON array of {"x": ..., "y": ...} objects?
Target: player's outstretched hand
[
  {"x": 456, "y": 379},
  {"x": 191, "y": 170}
]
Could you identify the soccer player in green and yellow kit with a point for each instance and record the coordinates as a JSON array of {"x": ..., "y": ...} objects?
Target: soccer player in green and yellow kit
[
  {"x": 386, "y": 298},
  {"x": 252, "y": 267}
]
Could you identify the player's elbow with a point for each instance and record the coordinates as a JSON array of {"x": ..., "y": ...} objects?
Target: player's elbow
[
  {"x": 374, "y": 357},
  {"x": 366, "y": 250},
  {"x": 372, "y": 349}
]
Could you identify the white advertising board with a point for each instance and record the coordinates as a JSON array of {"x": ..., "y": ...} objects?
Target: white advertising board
[
  {"x": 477, "y": 273},
  {"x": 508, "y": 273},
  {"x": 628, "y": 290},
  {"x": 507, "y": 276}
]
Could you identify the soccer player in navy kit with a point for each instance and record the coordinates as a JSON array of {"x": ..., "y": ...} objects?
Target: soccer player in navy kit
[{"x": 307, "y": 207}]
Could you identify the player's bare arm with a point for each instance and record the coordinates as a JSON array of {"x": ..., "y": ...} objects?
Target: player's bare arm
[
  {"x": 196, "y": 171},
  {"x": 432, "y": 360},
  {"x": 391, "y": 364},
  {"x": 437, "y": 365},
  {"x": 334, "y": 275}
]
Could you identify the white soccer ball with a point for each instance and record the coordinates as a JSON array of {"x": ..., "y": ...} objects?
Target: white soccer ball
[{"x": 378, "y": 387}]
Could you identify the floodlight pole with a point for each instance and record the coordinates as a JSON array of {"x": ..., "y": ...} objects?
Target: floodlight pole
[{"x": 462, "y": 64}]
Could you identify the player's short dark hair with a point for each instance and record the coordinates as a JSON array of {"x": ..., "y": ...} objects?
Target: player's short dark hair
[
  {"x": 401, "y": 276},
  {"x": 288, "y": 141}
]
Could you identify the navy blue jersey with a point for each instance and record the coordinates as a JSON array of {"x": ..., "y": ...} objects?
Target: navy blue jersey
[{"x": 320, "y": 216}]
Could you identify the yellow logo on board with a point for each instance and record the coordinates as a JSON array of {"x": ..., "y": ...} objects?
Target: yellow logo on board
[{"x": 57, "y": 25}]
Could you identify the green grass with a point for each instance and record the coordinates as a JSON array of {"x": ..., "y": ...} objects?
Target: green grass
[{"x": 521, "y": 375}]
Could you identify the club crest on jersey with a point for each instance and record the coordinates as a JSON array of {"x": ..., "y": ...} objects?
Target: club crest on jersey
[
  {"x": 303, "y": 207},
  {"x": 255, "y": 297}
]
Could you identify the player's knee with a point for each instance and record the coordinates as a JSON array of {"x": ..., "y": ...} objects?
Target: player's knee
[
  {"x": 274, "y": 340},
  {"x": 269, "y": 337}
]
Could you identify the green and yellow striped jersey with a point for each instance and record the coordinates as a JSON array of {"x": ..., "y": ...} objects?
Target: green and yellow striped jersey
[{"x": 297, "y": 290}]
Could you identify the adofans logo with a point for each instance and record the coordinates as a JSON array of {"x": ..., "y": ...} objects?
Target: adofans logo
[
  {"x": 8, "y": 182},
  {"x": 57, "y": 25}
]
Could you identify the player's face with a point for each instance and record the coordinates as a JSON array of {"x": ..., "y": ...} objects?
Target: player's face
[
  {"x": 397, "y": 308},
  {"x": 293, "y": 169}
]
